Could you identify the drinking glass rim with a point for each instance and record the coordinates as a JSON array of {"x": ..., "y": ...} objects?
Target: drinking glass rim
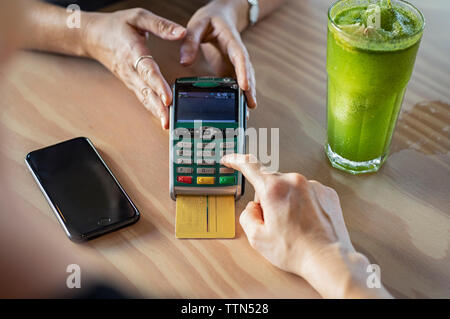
[{"x": 392, "y": 41}]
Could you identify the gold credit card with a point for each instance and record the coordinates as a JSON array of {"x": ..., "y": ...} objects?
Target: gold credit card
[{"x": 205, "y": 217}]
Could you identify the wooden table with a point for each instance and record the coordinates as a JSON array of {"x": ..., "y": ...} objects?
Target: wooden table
[{"x": 399, "y": 217}]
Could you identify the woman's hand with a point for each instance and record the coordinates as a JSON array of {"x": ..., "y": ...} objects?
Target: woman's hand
[
  {"x": 118, "y": 39},
  {"x": 215, "y": 27},
  {"x": 291, "y": 218},
  {"x": 297, "y": 224}
]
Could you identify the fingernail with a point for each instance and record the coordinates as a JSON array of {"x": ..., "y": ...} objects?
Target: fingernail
[
  {"x": 178, "y": 31},
  {"x": 183, "y": 59},
  {"x": 163, "y": 122},
  {"x": 164, "y": 99}
]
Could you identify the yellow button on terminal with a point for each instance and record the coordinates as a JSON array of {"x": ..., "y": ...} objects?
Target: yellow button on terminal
[{"x": 205, "y": 180}]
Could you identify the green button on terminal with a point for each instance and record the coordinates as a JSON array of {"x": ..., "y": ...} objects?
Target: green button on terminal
[{"x": 226, "y": 180}]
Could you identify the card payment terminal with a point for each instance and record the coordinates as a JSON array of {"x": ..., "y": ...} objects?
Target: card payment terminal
[{"x": 207, "y": 120}]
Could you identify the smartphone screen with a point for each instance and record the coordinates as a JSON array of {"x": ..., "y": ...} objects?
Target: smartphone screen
[{"x": 84, "y": 194}]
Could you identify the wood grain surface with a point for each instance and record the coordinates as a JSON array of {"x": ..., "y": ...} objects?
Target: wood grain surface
[{"x": 399, "y": 217}]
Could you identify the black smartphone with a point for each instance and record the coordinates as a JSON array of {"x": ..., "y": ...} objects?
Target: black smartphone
[{"x": 85, "y": 196}]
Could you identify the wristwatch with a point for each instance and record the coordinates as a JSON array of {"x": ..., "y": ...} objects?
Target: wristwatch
[{"x": 253, "y": 13}]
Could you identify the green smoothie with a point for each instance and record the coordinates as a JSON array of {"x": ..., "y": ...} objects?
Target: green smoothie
[{"x": 371, "y": 49}]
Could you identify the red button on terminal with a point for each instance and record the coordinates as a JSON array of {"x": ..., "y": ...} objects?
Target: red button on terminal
[{"x": 184, "y": 179}]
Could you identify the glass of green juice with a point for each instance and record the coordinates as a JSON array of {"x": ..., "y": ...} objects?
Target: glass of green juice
[{"x": 371, "y": 50}]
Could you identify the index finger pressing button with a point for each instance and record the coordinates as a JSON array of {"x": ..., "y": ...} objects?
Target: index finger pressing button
[{"x": 249, "y": 166}]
